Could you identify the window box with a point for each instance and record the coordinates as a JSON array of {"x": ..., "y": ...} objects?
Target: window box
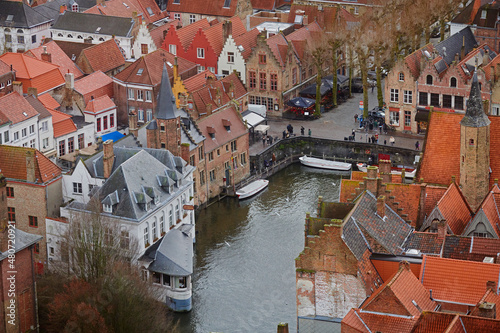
[
  {"x": 185, "y": 214},
  {"x": 147, "y": 245},
  {"x": 163, "y": 233},
  {"x": 178, "y": 221}
]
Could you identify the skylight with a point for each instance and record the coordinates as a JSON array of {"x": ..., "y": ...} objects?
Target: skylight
[
  {"x": 298, "y": 19},
  {"x": 139, "y": 72},
  {"x": 170, "y": 64},
  {"x": 150, "y": 11},
  {"x": 126, "y": 6},
  {"x": 241, "y": 48},
  {"x": 10, "y": 17},
  {"x": 227, "y": 3},
  {"x": 98, "y": 30},
  {"x": 177, "y": 1}
]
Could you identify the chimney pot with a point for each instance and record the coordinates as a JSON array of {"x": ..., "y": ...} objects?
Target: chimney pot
[
  {"x": 30, "y": 165},
  {"x": 442, "y": 229},
  {"x": 487, "y": 310},
  {"x": 381, "y": 206},
  {"x": 108, "y": 158}
]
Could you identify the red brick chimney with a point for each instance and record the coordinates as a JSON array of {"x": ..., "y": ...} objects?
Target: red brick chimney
[
  {"x": 62, "y": 9},
  {"x": 381, "y": 206},
  {"x": 132, "y": 124},
  {"x": 3, "y": 215},
  {"x": 45, "y": 55},
  {"x": 108, "y": 158},
  {"x": 385, "y": 170},
  {"x": 487, "y": 310},
  {"x": 18, "y": 86},
  {"x": 227, "y": 30},
  {"x": 373, "y": 182},
  {"x": 30, "y": 165},
  {"x": 442, "y": 229},
  {"x": 491, "y": 285},
  {"x": 185, "y": 152}
]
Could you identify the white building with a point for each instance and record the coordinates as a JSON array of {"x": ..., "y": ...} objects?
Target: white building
[
  {"x": 144, "y": 43},
  {"x": 93, "y": 28},
  {"x": 18, "y": 121},
  {"x": 102, "y": 113},
  {"x": 45, "y": 128},
  {"x": 71, "y": 133}
]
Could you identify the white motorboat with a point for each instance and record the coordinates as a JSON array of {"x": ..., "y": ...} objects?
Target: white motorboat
[
  {"x": 409, "y": 172},
  {"x": 324, "y": 164},
  {"x": 252, "y": 188}
]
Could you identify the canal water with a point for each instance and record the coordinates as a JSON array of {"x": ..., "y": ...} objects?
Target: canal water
[{"x": 244, "y": 276}]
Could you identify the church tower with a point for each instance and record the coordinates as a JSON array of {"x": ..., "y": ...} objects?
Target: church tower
[
  {"x": 164, "y": 131},
  {"x": 474, "y": 148}
]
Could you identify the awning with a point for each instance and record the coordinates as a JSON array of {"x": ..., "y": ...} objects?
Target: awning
[
  {"x": 262, "y": 128},
  {"x": 259, "y": 109},
  {"x": 252, "y": 119},
  {"x": 422, "y": 115}
]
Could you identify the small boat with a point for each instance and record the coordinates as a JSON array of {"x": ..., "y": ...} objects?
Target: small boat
[
  {"x": 252, "y": 188},
  {"x": 324, "y": 164},
  {"x": 409, "y": 172}
]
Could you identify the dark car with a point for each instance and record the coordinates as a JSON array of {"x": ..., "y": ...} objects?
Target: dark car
[
  {"x": 377, "y": 113},
  {"x": 357, "y": 85}
]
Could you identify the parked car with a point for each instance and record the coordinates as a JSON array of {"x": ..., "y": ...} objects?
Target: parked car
[
  {"x": 377, "y": 113},
  {"x": 357, "y": 85}
]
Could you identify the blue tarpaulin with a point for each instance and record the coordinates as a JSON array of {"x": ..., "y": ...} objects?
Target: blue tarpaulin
[{"x": 115, "y": 136}]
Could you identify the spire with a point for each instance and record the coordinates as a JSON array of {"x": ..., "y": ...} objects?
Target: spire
[
  {"x": 165, "y": 107},
  {"x": 474, "y": 114}
]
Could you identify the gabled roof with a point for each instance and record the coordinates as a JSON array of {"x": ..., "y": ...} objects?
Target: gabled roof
[
  {"x": 104, "y": 56},
  {"x": 72, "y": 49},
  {"x": 23, "y": 240},
  {"x": 13, "y": 164},
  {"x": 329, "y": 18},
  {"x": 215, "y": 123},
  {"x": 152, "y": 67},
  {"x": 90, "y": 23},
  {"x": 452, "y": 45},
  {"x": 413, "y": 61},
  {"x": 66, "y": 65},
  {"x": 368, "y": 322},
  {"x": 216, "y": 8},
  {"x": 457, "y": 280},
  {"x": 100, "y": 104},
  {"x": 248, "y": 41},
  {"x": 39, "y": 107},
  {"x": 197, "y": 81},
  {"x": 215, "y": 36},
  {"x": 4, "y": 68},
  {"x": 15, "y": 108},
  {"x": 471, "y": 15},
  {"x": 62, "y": 123},
  {"x": 487, "y": 214},
  {"x": 187, "y": 33},
  {"x": 402, "y": 294},
  {"x": 158, "y": 33},
  {"x": 148, "y": 10},
  {"x": 48, "y": 101},
  {"x": 92, "y": 82},
  {"x": 18, "y": 15}
]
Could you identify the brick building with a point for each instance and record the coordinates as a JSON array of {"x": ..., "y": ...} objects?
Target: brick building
[
  {"x": 33, "y": 192},
  {"x": 7, "y": 76},
  {"x": 105, "y": 57},
  {"x": 22, "y": 315}
]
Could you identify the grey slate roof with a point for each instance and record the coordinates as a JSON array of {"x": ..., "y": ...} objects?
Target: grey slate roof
[
  {"x": 452, "y": 45},
  {"x": 366, "y": 230},
  {"x": 89, "y": 23},
  {"x": 173, "y": 255},
  {"x": 23, "y": 240},
  {"x": 23, "y": 16},
  {"x": 165, "y": 107},
  {"x": 474, "y": 114},
  {"x": 39, "y": 107},
  {"x": 52, "y": 8}
]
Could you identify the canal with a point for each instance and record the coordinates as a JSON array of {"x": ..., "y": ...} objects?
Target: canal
[{"x": 244, "y": 276}]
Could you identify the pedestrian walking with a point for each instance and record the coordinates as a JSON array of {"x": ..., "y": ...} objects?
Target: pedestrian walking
[
  {"x": 392, "y": 140},
  {"x": 353, "y": 134},
  {"x": 263, "y": 141},
  {"x": 284, "y": 134},
  {"x": 309, "y": 132},
  {"x": 302, "y": 130},
  {"x": 376, "y": 138},
  {"x": 417, "y": 145},
  {"x": 385, "y": 142},
  {"x": 380, "y": 128},
  {"x": 270, "y": 139},
  {"x": 355, "y": 118},
  {"x": 373, "y": 86}
]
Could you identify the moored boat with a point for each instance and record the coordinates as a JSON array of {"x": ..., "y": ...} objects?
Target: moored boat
[
  {"x": 252, "y": 189},
  {"x": 409, "y": 172},
  {"x": 324, "y": 164}
]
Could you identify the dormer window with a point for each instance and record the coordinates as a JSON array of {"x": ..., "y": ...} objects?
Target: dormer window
[
  {"x": 211, "y": 131},
  {"x": 107, "y": 208},
  {"x": 227, "y": 124},
  {"x": 156, "y": 200},
  {"x": 171, "y": 189},
  {"x": 227, "y": 4},
  {"x": 147, "y": 205}
]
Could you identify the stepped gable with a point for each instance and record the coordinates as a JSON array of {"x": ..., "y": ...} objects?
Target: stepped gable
[
  {"x": 414, "y": 60},
  {"x": 248, "y": 41},
  {"x": 158, "y": 33},
  {"x": 215, "y": 35},
  {"x": 187, "y": 33}
]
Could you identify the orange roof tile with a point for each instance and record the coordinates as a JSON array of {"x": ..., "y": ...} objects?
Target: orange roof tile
[
  {"x": 413, "y": 61},
  {"x": 434, "y": 322},
  {"x": 490, "y": 208},
  {"x": 126, "y": 8},
  {"x": 457, "y": 280},
  {"x": 187, "y": 33},
  {"x": 432, "y": 195},
  {"x": 157, "y": 33},
  {"x": 248, "y": 41},
  {"x": 215, "y": 36},
  {"x": 4, "y": 68},
  {"x": 386, "y": 269},
  {"x": 360, "y": 321},
  {"x": 104, "y": 56},
  {"x": 408, "y": 196},
  {"x": 100, "y": 104},
  {"x": 455, "y": 209},
  {"x": 48, "y": 101},
  {"x": 13, "y": 164},
  {"x": 489, "y": 297},
  {"x": 66, "y": 65},
  {"x": 197, "y": 81},
  {"x": 15, "y": 108},
  {"x": 348, "y": 188},
  {"x": 210, "y": 8},
  {"x": 92, "y": 82},
  {"x": 62, "y": 123}
]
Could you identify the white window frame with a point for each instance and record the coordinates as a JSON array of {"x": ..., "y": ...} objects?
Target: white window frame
[
  {"x": 140, "y": 95},
  {"x": 394, "y": 95},
  {"x": 140, "y": 115},
  {"x": 77, "y": 188},
  {"x": 200, "y": 53},
  {"x": 149, "y": 114},
  {"x": 148, "y": 96},
  {"x": 177, "y": 16},
  {"x": 392, "y": 117},
  {"x": 172, "y": 48},
  {"x": 146, "y": 235},
  {"x": 107, "y": 208},
  {"x": 131, "y": 94},
  {"x": 32, "y": 129},
  {"x": 407, "y": 96},
  {"x": 201, "y": 69},
  {"x": 230, "y": 57},
  {"x": 401, "y": 76},
  {"x": 192, "y": 18}
]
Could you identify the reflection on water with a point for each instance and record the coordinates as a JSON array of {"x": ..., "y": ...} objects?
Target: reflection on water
[{"x": 244, "y": 278}]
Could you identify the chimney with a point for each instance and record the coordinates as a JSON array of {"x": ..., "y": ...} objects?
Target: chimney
[
  {"x": 227, "y": 29},
  {"x": 62, "y": 9},
  {"x": 18, "y": 87},
  {"x": 486, "y": 58},
  {"x": 373, "y": 182},
  {"x": 208, "y": 108},
  {"x": 487, "y": 310},
  {"x": 491, "y": 285},
  {"x": 101, "y": 2},
  {"x": 30, "y": 165},
  {"x": 32, "y": 92},
  {"x": 176, "y": 69},
  {"x": 462, "y": 50},
  {"x": 3, "y": 215},
  {"x": 108, "y": 158},
  {"x": 45, "y": 55},
  {"x": 442, "y": 228},
  {"x": 132, "y": 124},
  {"x": 185, "y": 152},
  {"x": 69, "y": 78},
  {"x": 457, "y": 58},
  {"x": 381, "y": 206},
  {"x": 385, "y": 170},
  {"x": 493, "y": 75}
]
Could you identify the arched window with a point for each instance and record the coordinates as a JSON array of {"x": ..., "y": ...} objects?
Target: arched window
[
  {"x": 8, "y": 37},
  {"x": 59, "y": 35},
  {"x": 90, "y": 38},
  {"x": 79, "y": 37},
  {"x": 429, "y": 80},
  {"x": 471, "y": 142},
  {"x": 70, "y": 36},
  {"x": 401, "y": 76},
  {"x": 20, "y": 31},
  {"x": 453, "y": 82},
  {"x": 101, "y": 39}
]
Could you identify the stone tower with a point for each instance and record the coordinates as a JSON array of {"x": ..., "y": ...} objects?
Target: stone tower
[
  {"x": 474, "y": 148},
  {"x": 164, "y": 131}
]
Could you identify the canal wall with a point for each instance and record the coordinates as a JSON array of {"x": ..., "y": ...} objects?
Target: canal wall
[{"x": 287, "y": 151}]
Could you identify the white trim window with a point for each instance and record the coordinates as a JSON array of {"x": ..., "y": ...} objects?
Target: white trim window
[
  {"x": 177, "y": 16},
  {"x": 200, "y": 53},
  {"x": 131, "y": 94},
  {"x": 140, "y": 115},
  {"x": 394, "y": 118},
  {"x": 192, "y": 18},
  {"x": 140, "y": 95},
  {"x": 394, "y": 95},
  {"x": 172, "y": 49},
  {"x": 146, "y": 235},
  {"x": 230, "y": 57},
  {"x": 407, "y": 96},
  {"x": 149, "y": 115},
  {"x": 148, "y": 96},
  {"x": 201, "y": 69}
]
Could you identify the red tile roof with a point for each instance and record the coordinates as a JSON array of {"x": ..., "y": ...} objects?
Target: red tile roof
[
  {"x": 92, "y": 82},
  {"x": 187, "y": 33},
  {"x": 197, "y": 81},
  {"x": 455, "y": 209},
  {"x": 248, "y": 40},
  {"x": 434, "y": 322},
  {"x": 348, "y": 188},
  {"x": 325, "y": 16},
  {"x": 4, "y": 68},
  {"x": 13, "y": 164},
  {"x": 493, "y": 64},
  {"x": 157, "y": 34},
  {"x": 103, "y": 57},
  {"x": 100, "y": 104},
  {"x": 210, "y": 8},
  {"x": 34, "y": 73},
  {"x": 126, "y": 8},
  {"x": 432, "y": 195},
  {"x": 263, "y": 4},
  {"x": 15, "y": 108},
  {"x": 490, "y": 209},
  {"x": 152, "y": 65},
  {"x": 66, "y": 65},
  {"x": 215, "y": 36},
  {"x": 386, "y": 269},
  {"x": 222, "y": 136},
  {"x": 408, "y": 197},
  {"x": 457, "y": 280},
  {"x": 413, "y": 61},
  {"x": 48, "y": 101},
  {"x": 62, "y": 123},
  {"x": 360, "y": 321}
]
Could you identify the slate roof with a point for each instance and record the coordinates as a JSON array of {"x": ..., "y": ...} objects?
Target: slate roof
[
  {"x": 474, "y": 114},
  {"x": 38, "y": 106},
  {"x": 210, "y": 8},
  {"x": 66, "y": 65},
  {"x": 138, "y": 177},
  {"x": 173, "y": 255},
  {"x": 15, "y": 108},
  {"x": 99, "y": 104},
  {"x": 92, "y": 82},
  {"x": 425, "y": 242},
  {"x": 89, "y": 23},
  {"x": 104, "y": 56},
  {"x": 457, "y": 280},
  {"x": 366, "y": 230},
  {"x": 23, "y": 240},
  {"x": 165, "y": 105},
  {"x": 452, "y": 45},
  {"x": 23, "y": 16},
  {"x": 13, "y": 164}
]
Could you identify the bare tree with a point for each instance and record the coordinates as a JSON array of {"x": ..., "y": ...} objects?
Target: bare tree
[{"x": 319, "y": 57}]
